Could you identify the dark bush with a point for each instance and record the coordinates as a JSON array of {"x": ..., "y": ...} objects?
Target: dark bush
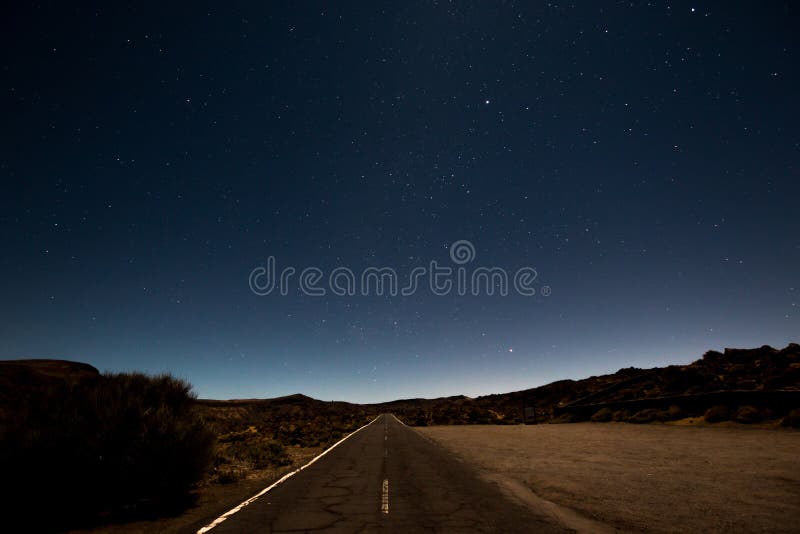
[
  {"x": 115, "y": 442},
  {"x": 602, "y": 415},
  {"x": 569, "y": 418},
  {"x": 228, "y": 474},
  {"x": 259, "y": 455},
  {"x": 231, "y": 437},
  {"x": 717, "y": 414},
  {"x": 621, "y": 415},
  {"x": 673, "y": 412},
  {"x": 648, "y": 415},
  {"x": 748, "y": 414},
  {"x": 792, "y": 419}
]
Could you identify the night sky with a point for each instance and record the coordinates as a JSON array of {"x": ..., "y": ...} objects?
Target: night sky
[{"x": 643, "y": 158}]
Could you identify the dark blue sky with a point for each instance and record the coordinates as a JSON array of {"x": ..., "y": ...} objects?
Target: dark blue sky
[{"x": 642, "y": 157}]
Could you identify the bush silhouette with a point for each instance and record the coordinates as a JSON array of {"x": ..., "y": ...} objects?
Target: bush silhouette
[
  {"x": 603, "y": 415},
  {"x": 792, "y": 419},
  {"x": 648, "y": 415},
  {"x": 672, "y": 413},
  {"x": 259, "y": 455},
  {"x": 717, "y": 414},
  {"x": 105, "y": 444},
  {"x": 747, "y": 415}
]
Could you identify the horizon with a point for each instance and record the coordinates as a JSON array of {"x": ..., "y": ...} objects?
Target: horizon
[
  {"x": 451, "y": 394},
  {"x": 395, "y": 201}
]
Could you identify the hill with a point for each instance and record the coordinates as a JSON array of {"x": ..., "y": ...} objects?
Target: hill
[
  {"x": 301, "y": 420},
  {"x": 764, "y": 378}
]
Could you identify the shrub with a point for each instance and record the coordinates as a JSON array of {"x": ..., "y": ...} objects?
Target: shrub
[
  {"x": 258, "y": 455},
  {"x": 603, "y": 415},
  {"x": 116, "y": 441},
  {"x": 241, "y": 435},
  {"x": 673, "y": 412},
  {"x": 717, "y": 414},
  {"x": 747, "y": 415},
  {"x": 621, "y": 415},
  {"x": 792, "y": 419},
  {"x": 569, "y": 418},
  {"x": 648, "y": 415},
  {"x": 228, "y": 474}
]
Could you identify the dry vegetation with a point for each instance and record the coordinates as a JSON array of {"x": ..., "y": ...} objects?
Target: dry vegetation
[
  {"x": 254, "y": 435},
  {"x": 122, "y": 444}
]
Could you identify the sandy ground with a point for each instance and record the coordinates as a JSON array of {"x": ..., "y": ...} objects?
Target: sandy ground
[{"x": 655, "y": 478}]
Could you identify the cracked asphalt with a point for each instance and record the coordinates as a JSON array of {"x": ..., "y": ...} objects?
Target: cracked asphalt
[{"x": 386, "y": 478}]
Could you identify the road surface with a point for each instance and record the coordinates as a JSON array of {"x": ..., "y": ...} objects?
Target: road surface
[{"x": 385, "y": 478}]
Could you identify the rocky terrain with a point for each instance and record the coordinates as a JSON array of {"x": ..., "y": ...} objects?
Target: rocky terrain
[{"x": 762, "y": 382}]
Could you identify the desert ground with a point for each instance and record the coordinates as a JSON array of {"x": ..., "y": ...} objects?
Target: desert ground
[{"x": 641, "y": 478}]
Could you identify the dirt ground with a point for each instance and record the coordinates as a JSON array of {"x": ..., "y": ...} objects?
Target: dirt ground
[
  {"x": 213, "y": 500},
  {"x": 655, "y": 478}
]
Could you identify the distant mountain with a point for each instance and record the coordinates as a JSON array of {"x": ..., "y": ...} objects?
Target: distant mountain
[
  {"x": 766, "y": 377},
  {"x": 758, "y": 375}
]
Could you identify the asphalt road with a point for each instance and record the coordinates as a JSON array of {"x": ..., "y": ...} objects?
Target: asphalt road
[{"x": 385, "y": 478}]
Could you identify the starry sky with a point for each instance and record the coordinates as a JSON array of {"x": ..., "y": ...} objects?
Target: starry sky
[{"x": 642, "y": 157}]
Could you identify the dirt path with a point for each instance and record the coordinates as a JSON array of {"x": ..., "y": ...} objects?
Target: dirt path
[{"x": 655, "y": 478}]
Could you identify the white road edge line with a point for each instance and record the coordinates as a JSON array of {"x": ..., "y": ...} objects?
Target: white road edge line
[
  {"x": 285, "y": 477},
  {"x": 385, "y": 497},
  {"x": 398, "y": 420}
]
